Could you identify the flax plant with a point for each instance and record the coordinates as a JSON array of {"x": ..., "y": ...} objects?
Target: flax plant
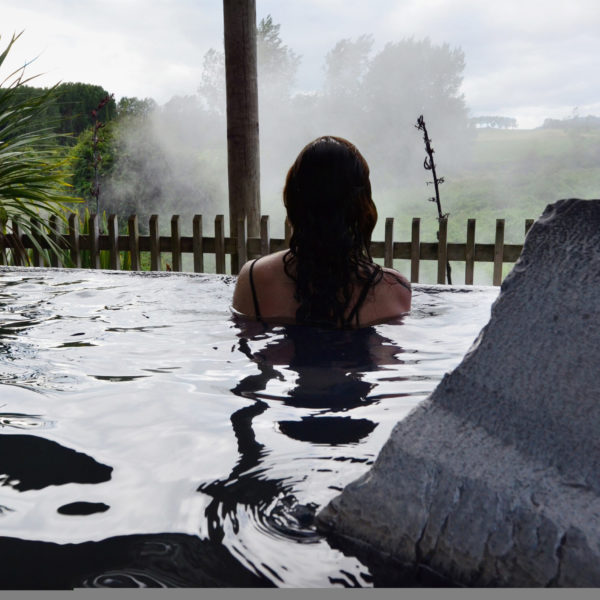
[{"x": 32, "y": 174}]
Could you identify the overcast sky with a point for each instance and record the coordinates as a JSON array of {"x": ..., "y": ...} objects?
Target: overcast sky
[{"x": 524, "y": 58}]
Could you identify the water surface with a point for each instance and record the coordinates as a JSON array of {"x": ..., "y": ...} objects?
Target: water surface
[{"x": 147, "y": 438}]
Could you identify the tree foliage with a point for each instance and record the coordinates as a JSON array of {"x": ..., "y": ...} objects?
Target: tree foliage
[
  {"x": 32, "y": 168},
  {"x": 495, "y": 121},
  {"x": 68, "y": 111},
  {"x": 573, "y": 123}
]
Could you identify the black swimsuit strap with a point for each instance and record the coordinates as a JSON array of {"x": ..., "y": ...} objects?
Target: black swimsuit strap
[
  {"x": 362, "y": 297},
  {"x": 254, "y": 297}
]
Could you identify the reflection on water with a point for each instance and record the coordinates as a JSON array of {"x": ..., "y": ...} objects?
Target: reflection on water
[
  {"x": 145, "y": 561},
  {"x": 149, "y": 439},
  {"x": 329, "y": 368},
  {"x": 329, "y": 365},
  {"x": 29, "y": 462}
]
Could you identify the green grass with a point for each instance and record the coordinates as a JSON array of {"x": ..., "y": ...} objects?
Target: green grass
[{"x": 509, "y": 174}]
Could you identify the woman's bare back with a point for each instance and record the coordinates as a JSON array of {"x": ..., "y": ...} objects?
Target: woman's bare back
[{"x": 387, "y": 299}]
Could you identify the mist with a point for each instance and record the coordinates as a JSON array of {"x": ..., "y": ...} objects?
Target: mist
[{"x": 174, "y": 160}]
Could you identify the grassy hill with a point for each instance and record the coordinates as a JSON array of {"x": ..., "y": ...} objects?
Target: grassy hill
[{"x": 509, "y": 174}]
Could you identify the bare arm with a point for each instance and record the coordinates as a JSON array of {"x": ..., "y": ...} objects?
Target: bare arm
[{"x": 242, "y": 294}]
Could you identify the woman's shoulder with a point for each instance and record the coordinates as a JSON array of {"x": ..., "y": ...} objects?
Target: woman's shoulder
[
  {"x": 393, "y": 292},
  {"x": 393, "y": 277},
  {"x": 262, "y": 282},
  {"x": 263, "y": 266}
]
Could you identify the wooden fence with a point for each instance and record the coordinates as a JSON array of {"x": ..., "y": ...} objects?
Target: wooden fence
[{"x": 241, "y": 247}]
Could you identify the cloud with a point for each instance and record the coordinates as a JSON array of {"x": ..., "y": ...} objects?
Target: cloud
[
  {"x": 127, "y": 46},
  {"x": 519, "y": 53}
]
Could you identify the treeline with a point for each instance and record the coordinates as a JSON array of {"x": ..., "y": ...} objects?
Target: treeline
[
  {"x": 576, "y": 122},
  {"x": 69, "y": 110},
  {"x": 496, "y": 122}
]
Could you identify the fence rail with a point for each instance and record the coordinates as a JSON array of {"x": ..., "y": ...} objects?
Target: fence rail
[{"x": 92, "y": 243}]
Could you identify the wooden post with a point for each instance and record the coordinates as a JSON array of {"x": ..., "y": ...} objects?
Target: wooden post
[
  {"x": 528, "y": 224},
  {"x": 74, "y": 240},
  {"x": 470, "y": 252},
  {"x": 154, "y": 244},
  {"x": 219, "y": 244},
  {"x": 442, "y": 249},
  {"x": 55, "y": 236},
  {"x": 134, "y": 243},
  {"x": 241, "y": 243},
  {"x": 197, "y": 245},
  {"x": 265, "y": 236},
  {"x": 176, "y": 242},
  {"x": 3, "y": 256},
  {"x": 113, "y": 243},
  {"x": 38, "y": 257},
  {"x": 242, "y": 116},
  {"x": 388, "y": 258},
  {"x": 498, "y": 252},
  {"x": 18, "y": 251},
  {"x": 415, "y": 250},
  {"x": 94, "y": 237}
]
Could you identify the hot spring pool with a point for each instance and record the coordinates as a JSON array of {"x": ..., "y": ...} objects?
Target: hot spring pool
[{"x": 148, "y": 439}]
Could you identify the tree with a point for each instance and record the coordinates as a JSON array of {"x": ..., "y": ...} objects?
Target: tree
[
  {"x": 82, "y": 156},
  {"x": 76, "y": 101},
  {"x": 277, "y": 67},
  {"x": 406, "y": 79},
  {"x": 68, "y": 109},
  {"x": 277, "y": 63},
  {"x": 346, "y": 65},
  {"x": 32, "y": 172},
  {"x": 134, "y": 107},
  {"x": 493, "y": 121},
  {"x": 212, "y": 86}
]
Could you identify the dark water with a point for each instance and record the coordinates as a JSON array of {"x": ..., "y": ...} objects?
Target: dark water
[{"x": 149, "y": 439}]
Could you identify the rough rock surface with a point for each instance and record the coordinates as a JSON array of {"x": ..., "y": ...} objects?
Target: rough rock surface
[{"x": 495, "y": 478}]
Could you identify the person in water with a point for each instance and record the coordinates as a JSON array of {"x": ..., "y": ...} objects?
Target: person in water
[{"x": 327, "y": 277}]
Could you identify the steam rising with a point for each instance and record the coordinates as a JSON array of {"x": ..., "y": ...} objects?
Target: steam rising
[{"x": 175, "y": 158}]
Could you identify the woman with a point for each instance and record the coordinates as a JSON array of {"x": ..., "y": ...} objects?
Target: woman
[{"x": 327, "y": 277}]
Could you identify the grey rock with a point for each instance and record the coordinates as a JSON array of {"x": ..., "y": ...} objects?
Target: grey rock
[{"x": 494, "y": 480}]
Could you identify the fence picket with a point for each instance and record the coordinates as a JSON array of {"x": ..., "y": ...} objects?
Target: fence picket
[
  {"x": 176, "y": 242},
  {"x": 528, "y": 224},
  {"x": 55, "y": 236},
  {"x": 241, "y": 240},
  {"x": 415, "y": 250},
  {"x": 154, "y": 244},
  {"x": 133, "y": 238},
  {"x": 265, "y": 236},
  {"x": 3, "y": 244},
  {"x": 388, "y": 253},
  {"x": 17, "y": 249},
  {"x": 94, "y": 238},
  {"x": 470, "y": 252},
  {"x": 220, "y": 243},
  {"x": 113, "y": 243},
  {"x": 198, "y": 244},
  {"x": 74, "y": 240},
  {"x": 498, "y": 252},
  {"x": 442, "y": 250},
  {"x": 38, "y": 258}
]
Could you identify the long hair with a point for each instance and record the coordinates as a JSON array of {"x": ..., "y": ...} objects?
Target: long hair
[{"x": 327, "y": 196}]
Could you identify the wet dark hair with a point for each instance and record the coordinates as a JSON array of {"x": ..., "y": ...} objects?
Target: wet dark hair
[{"x": 327, "y": 196}]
